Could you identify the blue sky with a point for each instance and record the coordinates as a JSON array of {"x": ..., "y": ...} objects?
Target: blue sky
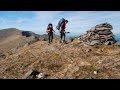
[{"x": 79, "y": 21}]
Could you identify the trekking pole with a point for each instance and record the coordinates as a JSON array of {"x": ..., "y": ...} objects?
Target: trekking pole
[{"x": 67, "y": 32}]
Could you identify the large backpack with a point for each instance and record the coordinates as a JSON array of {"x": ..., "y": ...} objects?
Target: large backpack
[{"x": 60, "y": 22}]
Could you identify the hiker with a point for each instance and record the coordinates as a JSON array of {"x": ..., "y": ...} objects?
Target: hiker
[
  {"x": 50, "y": 32},
  {"x": 61, "y": 27}
]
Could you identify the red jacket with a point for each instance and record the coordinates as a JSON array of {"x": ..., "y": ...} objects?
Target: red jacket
[
  {"x": 62, "y": 26},
  {"x": 49, "y": 29}
]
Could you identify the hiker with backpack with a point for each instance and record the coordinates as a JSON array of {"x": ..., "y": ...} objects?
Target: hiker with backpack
[
  {"x": 61, "y": 27},
  {"x": 50, "y": 32}
]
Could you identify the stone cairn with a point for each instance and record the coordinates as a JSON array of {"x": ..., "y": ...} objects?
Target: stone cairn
[{"x": 100, "y": 34}]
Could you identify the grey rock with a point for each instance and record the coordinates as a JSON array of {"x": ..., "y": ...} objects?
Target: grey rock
[
  {"x": 109, "y": 43},
  {"x": 31, "y": 74},
  {"x": 95, "y": 42}
]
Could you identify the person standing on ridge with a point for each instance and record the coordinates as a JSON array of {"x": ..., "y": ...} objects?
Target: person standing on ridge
[
  {"x": 50, "y": 32},
  {"x": 61, "y": 27}
]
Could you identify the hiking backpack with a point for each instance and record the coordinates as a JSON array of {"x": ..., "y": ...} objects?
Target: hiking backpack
[{"x": 60, "y": 22}]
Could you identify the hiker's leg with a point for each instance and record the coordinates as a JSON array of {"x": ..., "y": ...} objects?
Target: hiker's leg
[
  {"x": 52, "y": 35},
  {"x": 64, "y": 35},
  {"x": 60, "y": 36},
  {"x": 49, "y": 37}
]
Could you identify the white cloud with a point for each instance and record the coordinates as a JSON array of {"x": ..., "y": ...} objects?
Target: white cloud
[
  {"x": 46, "y": 15},
  {"x": 20, "y": 21},
  {"x": 23, "y": 20}
]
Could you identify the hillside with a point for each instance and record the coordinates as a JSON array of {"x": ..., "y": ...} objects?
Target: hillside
[
  {"x": 63, "y": 61},
  {"x": 12, "y": 38},
  {"x": 73, "y": 60}
]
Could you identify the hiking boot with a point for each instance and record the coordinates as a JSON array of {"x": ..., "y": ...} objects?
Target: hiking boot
[
  {"x": 48, "y": 43},
  {"x": 64, "y": 41},
  {"x": 60, "y": 41}
]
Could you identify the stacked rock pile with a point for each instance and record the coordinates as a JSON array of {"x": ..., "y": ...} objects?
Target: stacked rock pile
[{"x": 100, "y": 34}]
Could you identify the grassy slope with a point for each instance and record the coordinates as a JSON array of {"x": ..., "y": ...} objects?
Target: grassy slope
[{"x": 58, "y": 60}]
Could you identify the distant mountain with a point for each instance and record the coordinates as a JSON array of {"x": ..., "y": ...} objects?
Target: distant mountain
[
  {"x": 10, "y": 32},
  {"x": 12, "y": 38}
]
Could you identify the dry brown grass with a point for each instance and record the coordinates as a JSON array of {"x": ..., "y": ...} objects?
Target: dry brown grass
[{"x": 63, "y": 61}]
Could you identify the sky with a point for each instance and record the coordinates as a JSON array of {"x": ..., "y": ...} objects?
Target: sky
[{"x": 79, "y": 21}]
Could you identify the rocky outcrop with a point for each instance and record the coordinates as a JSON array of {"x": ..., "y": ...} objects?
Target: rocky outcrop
[{"x": 100, "y": 34}]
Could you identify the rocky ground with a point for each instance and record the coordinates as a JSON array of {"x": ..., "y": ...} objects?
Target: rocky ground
[
  {"x": 62, "y": 61},
  {"x": 74, "y": 59}
]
